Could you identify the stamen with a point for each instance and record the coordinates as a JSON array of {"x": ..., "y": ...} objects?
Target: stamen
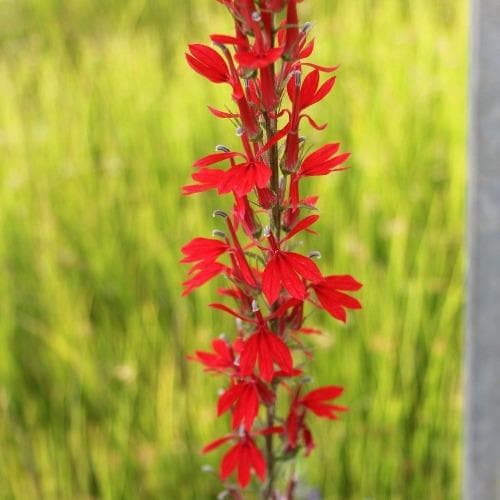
[
  {"x": 315, "y": 254},
  {"x": 239, "y": 131},
  {"x": 307, "y": 27},
  {"x": 255, "y": 306},
  {"x": 217, "y": 233},
  {"x": 222, "y": 149},
  {"x": 219, "y": 213},
  {"x": 256, "y": 17}
]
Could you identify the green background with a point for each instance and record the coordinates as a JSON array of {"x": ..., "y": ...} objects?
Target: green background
[{"x": 100, "y": 120}]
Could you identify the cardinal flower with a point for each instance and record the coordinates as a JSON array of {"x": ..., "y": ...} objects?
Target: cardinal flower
[
  {"x": 244, "y": 398},
  {"x": 221, "y": 360},
  {"x": 265, "y": 348},
  {"x": 317, "y": 402},
  {"x": 244, "y": 456},
  {"x": 203, "y": 253},
  {"x": 208, "y": 63},
  {"x": 333, "y": 300},
  {"x": 311, "y": 92},
  {"x": 203, "y": 250},
  {"x": 240, "y": 178},
  {"x": 287, "y": 270},
  {"x": 323, "y": 161}
]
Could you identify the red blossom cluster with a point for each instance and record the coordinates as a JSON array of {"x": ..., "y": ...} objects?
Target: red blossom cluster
[{"x": 265, "y": 64}]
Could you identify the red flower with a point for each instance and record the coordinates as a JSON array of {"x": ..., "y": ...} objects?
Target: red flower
[
  {"x": 204, "y": 253},
  {"x": 244, "y": 456},
  {"x": 255, "y": 60},
  {"x": 203, "y": 250},
  {"x": 316, "y": 401},
  {"x": 334, "y": 301},
  {"x": 200, "y": 275},
  {"x": 208, "y": 63},
  {"x": 287, "y": 270},
  {"x": 221, "y": 360},
  {"x": 242, "y": 178},
  {"x": 311, "y": 92},
  {"x": 266, "y": 348},
  {"x": 239, "y": 179},
  {"x": 323, "y": 161},
  {"x": 244, "y": 398}
]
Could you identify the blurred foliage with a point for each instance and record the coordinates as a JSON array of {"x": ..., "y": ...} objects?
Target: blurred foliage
[{"x": 100, "y": 120}]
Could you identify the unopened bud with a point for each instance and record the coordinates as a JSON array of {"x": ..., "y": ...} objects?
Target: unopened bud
[
  {"x": 218, "y": 233},
  {"x": 219, "y": 213},
  {"x": 222, "y": 149},
  {"x": 315, "y": 254},
  {"x": 255, "y": 306}
]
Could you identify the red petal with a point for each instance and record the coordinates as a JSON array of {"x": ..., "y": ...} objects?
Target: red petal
[
  {"x": 323, "y": 91},
  {"x": 222, "y": 114},
  {"x": 262, "y": 174},
  {"x": 321, "y": 155},
  {"x": 248, "y": 356},
  {"x": 324, "y": 69},
  {"x": 211, "y": 59},
  {"x": 304, "y": 266},
  {"x": 291, "y": 281},
  {"x": 343, "y": 282},
  {"x": 244, "y": 466},
  {"x": 281, "y": 353},
  {"x": 301, "y": 225},
  {"x": 203, "y": 249},
  {"x": 215, "y": 444},
  {"x": 227, "y": 399},
  {"x": 230, "y": 461},
  {"x": 271, "y": 282},
  {"x": 266, "y": 360},
  {"x": 309, "y": 87},
  {"x": 215, "y": 158},
  {"x": 257, "y": 461},
  {"x": 323, "y": 393}
]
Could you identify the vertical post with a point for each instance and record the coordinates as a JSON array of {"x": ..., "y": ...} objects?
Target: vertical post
[{"x": 482, "y": 347}]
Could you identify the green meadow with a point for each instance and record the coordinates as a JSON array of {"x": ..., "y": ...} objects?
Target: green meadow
[{"x": 100, "y": 121}]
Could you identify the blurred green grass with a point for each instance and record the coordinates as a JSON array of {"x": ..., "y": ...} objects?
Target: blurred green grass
[{"x": 100, "y": 120}]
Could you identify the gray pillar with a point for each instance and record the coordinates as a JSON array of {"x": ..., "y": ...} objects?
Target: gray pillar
[{"x": 482, "y": 347}]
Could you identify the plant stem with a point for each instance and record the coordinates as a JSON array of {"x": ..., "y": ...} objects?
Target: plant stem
[{"x": 271, "y": 124}]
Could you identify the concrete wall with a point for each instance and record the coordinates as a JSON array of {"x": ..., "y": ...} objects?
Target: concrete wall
[{"x": 482, "y": 374}]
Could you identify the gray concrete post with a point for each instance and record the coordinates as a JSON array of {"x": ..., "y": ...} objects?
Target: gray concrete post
[{"x": 482, "y": 346}]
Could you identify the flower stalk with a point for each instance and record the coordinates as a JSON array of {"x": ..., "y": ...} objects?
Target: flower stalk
[{"x": 265, "y": 63}]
